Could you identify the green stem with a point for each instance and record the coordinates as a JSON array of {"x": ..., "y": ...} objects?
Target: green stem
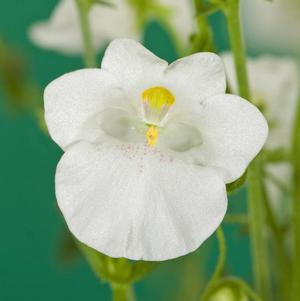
[
  {"x": 122, "y": 293},
  {"x": 296, "y": 206},
  {"x": 282, "y": 267},
  {"x": 232, "y": 13},
  {"x": 203, "y": 38},
  {"x": 219, "y": 268},
  {"x": 89, "y": 51},
  {"x": 257, "y": 226},
  {"x": 255, "y": 204}
]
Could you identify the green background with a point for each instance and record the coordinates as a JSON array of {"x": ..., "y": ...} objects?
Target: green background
[{"x": 31, "y": 227}]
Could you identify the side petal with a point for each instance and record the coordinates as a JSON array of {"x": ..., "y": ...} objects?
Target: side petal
[
  {"x": 131, "y": 201},
  {"x": 72, "y": 99},
  {"x": 233, "y": 131},
  {"x": 196, "y": 77},
  {"x": 274, "y": 82},
  {"x": 134, "y": 66}
]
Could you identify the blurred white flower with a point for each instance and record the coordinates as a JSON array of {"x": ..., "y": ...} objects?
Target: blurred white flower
[
  {"x": 62, "y": 31},
  {"x": 272, "y": 25},
  {"x": 148, "y": 150},
  {"x": 274, "y": 84}
]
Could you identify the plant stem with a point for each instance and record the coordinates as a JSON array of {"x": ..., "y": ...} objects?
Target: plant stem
[
  {"x": 257, "y": 226},
  {"x": 232, "y": 13},
  {"x": 255, "y": 204},
  {"x": 219, "y": 268},
  {"x": 282, "y": 268},
  {"x": 203, "y": 38},
  {"x": 89, "y": 51},
  {"x": 296, "y": 206},
  {"x": 122, "y": 293}
]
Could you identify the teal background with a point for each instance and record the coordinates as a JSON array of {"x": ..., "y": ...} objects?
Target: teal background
[{"x": 31, "y": 227}]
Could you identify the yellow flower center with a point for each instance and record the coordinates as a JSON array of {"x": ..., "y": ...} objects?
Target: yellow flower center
[{"x": 156, "y": 103}]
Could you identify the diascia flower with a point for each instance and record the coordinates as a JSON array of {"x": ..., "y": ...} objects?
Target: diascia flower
[
  {"x": 274, "y": 83},
  {"x": 62, "y": 31},
  {"x": 148, "y": 150}
]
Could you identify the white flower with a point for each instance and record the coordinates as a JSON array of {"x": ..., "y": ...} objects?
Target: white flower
[
  {"x": 272, "y": 25},
  {"x": 62, "y": 31},
  {"x": 274, "y": 84},
  {"x": 148, "y": 150}
]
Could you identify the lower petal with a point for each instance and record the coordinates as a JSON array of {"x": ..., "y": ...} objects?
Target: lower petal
[{"x": 127, "y": 200}]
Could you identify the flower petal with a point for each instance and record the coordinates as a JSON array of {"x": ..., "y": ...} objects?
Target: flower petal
[
  {"x": 275, "y": 82},
  {"x": 61, "y": 31},
  {"x": 134, "y": 66},
  {"x": 126, "y": 200},
  {"x": 233, "y": 132},
  {"x": 197, "y": 77},
  {"x": 72, "y": 99}
]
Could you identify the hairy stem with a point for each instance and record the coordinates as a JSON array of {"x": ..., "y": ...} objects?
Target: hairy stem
[{"x": 89, "y": 51}]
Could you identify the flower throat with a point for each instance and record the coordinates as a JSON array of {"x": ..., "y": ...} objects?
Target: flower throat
[{"x": 157, "y": 102}]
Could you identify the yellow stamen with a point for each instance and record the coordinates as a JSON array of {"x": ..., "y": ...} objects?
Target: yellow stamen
[
  {"x": 158, "y": 97},
  {"x": 152, "y": 136}
]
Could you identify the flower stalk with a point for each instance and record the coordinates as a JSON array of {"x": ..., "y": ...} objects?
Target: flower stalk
[
  {"x": 219, "y": 268},
  {"x": 203, "y": 39},
  {"x": 257, "y": 226},
  {"x": 232, "y": 13},
  {"x": 255, "y": 198},
  {"x": 89, "y": 51},
  {"x": 122, "y": 293}
]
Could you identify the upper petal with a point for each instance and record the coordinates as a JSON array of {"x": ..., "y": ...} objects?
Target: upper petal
[
  {"x": 196, "y": 77},
  {"x": 190, "y": 79},
  {"x": 134, "y": 66},
  {"x": 72, "y": 99},
  {"x": 131, "y": 201},
  {"x": 233, "y": 131}
]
